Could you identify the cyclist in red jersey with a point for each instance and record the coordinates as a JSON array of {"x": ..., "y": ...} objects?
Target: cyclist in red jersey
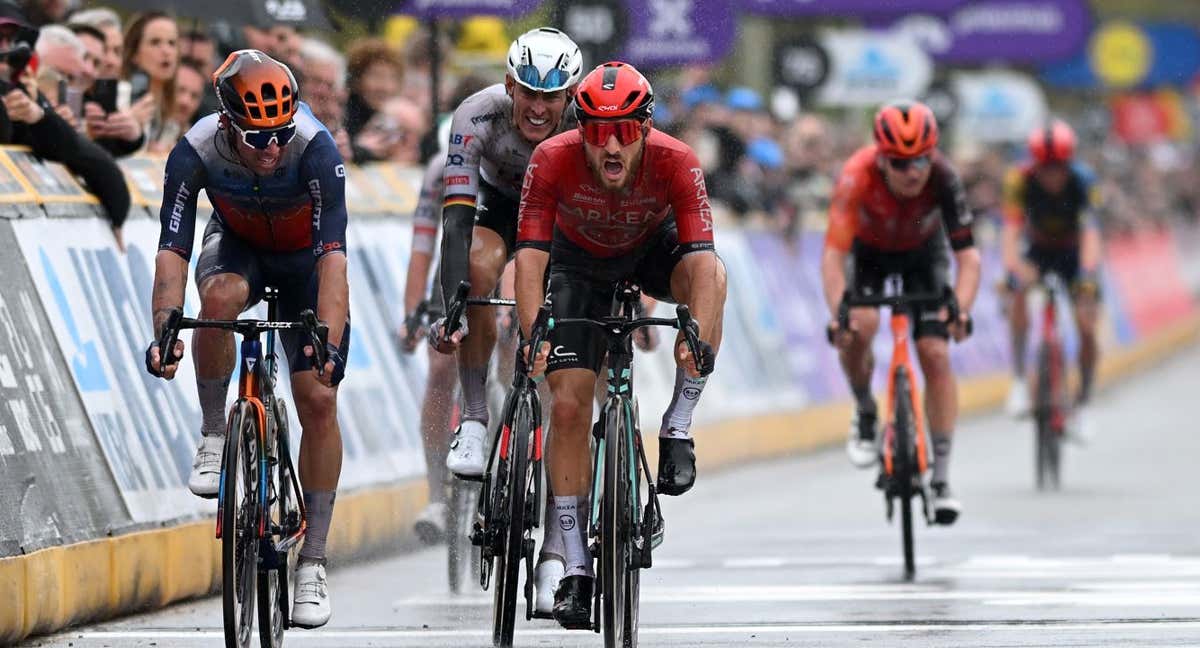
[
  {"x": 612, "y": 200},
  {"x": 899, "y": 207}
]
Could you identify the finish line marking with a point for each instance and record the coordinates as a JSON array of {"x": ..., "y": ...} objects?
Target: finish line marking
[{"x": 798, "y": 629}]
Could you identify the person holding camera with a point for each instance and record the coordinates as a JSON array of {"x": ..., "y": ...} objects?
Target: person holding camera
[{"x": 27, "y": 117}]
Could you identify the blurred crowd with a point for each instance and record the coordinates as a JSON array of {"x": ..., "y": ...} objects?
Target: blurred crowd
[{"x": 106, "y": 88}]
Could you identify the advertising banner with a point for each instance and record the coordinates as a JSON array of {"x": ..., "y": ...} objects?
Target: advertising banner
[
  {"x": 1122, "y": 54},
  {"x": 981, "y": 31},
  {"x": 54, "y": 483},
  {"x": 997, "y": 106},
  {"x": 466, "y": 8},
  {"x": 679, "y": 32},
  {"x": 869, "y": 68},
  {"x": 846, "y": 8},
  {"x": 1149, "y": 279}
]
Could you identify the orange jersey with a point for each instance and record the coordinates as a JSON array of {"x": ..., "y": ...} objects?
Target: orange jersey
[{"x": 865, "y": 210}]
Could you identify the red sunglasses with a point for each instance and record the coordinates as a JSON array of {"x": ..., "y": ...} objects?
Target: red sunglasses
[{"x": 627, "y": 131}]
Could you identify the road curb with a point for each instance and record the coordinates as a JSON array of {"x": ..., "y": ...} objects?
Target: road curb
[{"x": 57, "y": 587}]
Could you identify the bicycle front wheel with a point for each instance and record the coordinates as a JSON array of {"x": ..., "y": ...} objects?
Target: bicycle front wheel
[
  {"x": 283, "y": 520},
  {"x": 615, "y": 532},
  {"x": 508, "y": 562},
  {"x": 904, "y": 465},
  {"x": 239, "y": 525},
  {"x": 1049, "y": 416}
]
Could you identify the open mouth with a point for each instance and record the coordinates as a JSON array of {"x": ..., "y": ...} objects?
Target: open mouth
[
  {"x": 537, "y": 122},
  {"x": 613, "y": 168}
]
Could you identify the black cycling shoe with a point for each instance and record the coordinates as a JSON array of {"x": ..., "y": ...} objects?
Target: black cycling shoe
[
  {"x": 676, "y": 465},
  {"x": 573, "y": 602}
]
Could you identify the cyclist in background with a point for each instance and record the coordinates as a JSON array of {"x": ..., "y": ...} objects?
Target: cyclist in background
[
  {"x": 899, "y": 207},
  {"x": 277, "y": 185},
  {"x": 612, "y": 200},
  {"x": 492, "y": 135},
  {"x": 1050, "y": 225}
]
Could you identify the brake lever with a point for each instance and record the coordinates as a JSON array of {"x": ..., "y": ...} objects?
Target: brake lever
[
  {"x": 455, "y": 312},
  {"x": 168, "y": 338},
  {"x": 843, "y": 317},
  {"x": 691, "y": 330},
  {"x": 318, "y": 336}
]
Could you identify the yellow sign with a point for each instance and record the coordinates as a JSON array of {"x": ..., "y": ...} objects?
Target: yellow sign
[
  {"x": 51, "y": 183},
  {"x": 1121, "y": 54},
  {"x": 13, "y": 187}
]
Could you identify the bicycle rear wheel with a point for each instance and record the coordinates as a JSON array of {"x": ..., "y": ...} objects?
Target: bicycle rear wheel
[
  {"x": 615, "y": 532},
  {"x": 904, "y": 465},
  {"x": 508, "y": 560},
  {"x": 239, "y": 525}
]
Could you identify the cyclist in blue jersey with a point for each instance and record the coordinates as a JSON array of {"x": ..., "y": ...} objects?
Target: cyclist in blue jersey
[{"x": 277, "y": 185}]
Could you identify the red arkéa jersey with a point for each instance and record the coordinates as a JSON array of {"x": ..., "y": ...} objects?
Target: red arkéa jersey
[
  {"x": 864, "y": 209},
  {"x": 560, "y": 195}
]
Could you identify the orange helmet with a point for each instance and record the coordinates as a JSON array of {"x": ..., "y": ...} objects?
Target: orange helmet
[
  {"x": 256, "y": 91},
  {"x": 905, "y": 129},
  {"x": 1053, "y": 143},
  {"x": 614, "y": 90}
]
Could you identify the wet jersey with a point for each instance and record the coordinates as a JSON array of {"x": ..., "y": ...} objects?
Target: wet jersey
[
  {"x": 864, "y": 209},
  {"x": 1054, "y": 220},
  {"x": 301, "y": 205},
  {"x": 427, "y": 217},
  {"x": 561, "y": 202},
  {"x": 484, "y": 145}
]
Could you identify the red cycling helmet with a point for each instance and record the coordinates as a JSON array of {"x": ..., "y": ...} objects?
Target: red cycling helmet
[
  {"x": 256, "y": 91},
  {"x": 1054, "y": 142},
  {"x": 614, "y": 90},
  {"x": 905, "y": 129}
]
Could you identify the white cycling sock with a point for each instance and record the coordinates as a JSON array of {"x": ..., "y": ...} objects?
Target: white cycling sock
[
  {"x": 552, "y": 541},
  {"x": 571, "y": 514},
  {"x": 942, "y": 443},
  {"x": 677, "y": 420},
  {"x": 212, "y": 392}
]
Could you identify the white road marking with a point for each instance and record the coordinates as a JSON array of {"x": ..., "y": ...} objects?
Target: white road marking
[{"x": 797, "y": 629}]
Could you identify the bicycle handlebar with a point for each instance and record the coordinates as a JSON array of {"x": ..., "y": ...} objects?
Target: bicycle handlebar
[
  {"x": 623, "y": 327},
  {"x": 317, "y": 331},
  {"x": 946, "y": 298}
]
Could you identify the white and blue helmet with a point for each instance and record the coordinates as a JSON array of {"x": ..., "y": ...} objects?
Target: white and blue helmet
[{"x": 545, "y": 59}]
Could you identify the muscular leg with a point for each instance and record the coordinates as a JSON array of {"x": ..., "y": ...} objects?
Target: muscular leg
[
  {"x": 858, "y": 362},
  {"x": 488, "y": 257},
  {"x": 435, "y": 421},
  {"x": 941, "y": 400},
  {"x": 677, "y": 420},
  {"x": 568, "y": 461},
  {"x": 320, "y": 457},
  {"x": 1087, "y": 312},
  {"x": 222, "y": 296},
  {"x": 1018, "y": 323}
]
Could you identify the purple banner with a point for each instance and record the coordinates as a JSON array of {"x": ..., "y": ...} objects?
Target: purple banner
[
  {"x": 679, "y": 32},
  {"x": 1019, "y": 31},
  {"x": 465, "y": 8},
  {"x": 845, "y": 7}
]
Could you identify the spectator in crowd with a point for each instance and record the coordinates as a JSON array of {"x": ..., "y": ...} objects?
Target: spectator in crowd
[
  {"x": 376, "y": 74},
  {"x": 29, "y": 119},
  {"x": 324, "y": 72},
  {"x": 199, "y": 49},
  {"x": 189, "y": 91},
  {"x": 45, "y": 12},
  {"x": 809, "y": 154},
  {"x": 92, "y": 40},
  {"x": 396, "y": 131},
  {"x": 107, "y": 23},
  {"x": 64, "y": 72},
  {"x": 285, "y": 44},
  {"x": 151, "y": 58}
]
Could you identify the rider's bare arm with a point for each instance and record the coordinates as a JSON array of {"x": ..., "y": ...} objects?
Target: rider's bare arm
[
  {"x": 839, "y": 236},
  {"x": 530, "y": 284},
  {"x": 833, "y": 277},
  {"x": 170, "y": 280},
  {"x": 966, "y": 284},
  {"x": 333, "y": 295}
]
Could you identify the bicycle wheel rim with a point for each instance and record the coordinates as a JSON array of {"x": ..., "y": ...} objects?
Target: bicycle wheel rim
[
  {"x": 903, "y": 453},
  {"x": 613, "y": 554},
  {"x": 509, "y": 565},
  {"x": 272, "y": 583},
  {"x": 239, "y": 541}
]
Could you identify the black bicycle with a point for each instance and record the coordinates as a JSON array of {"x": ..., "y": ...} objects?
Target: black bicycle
[
  {"x": 624, "y": 524},
  {"x": 260, "y": 507},
  {"x": 905, "y": 447}
]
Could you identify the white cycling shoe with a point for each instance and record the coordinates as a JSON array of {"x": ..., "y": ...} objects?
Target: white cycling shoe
[
  {"x": 549, "y": 572},
  {"x": 467, "y": 457},
  {"x": 863, "y": 452},
  {"x": 1017, "y": 403},
  {"x": 430, "y": 525},
  {"x": 205, "y": 479},
  {"x": 312, "y": 608},
  {"x": 1081, "y": 428}
]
